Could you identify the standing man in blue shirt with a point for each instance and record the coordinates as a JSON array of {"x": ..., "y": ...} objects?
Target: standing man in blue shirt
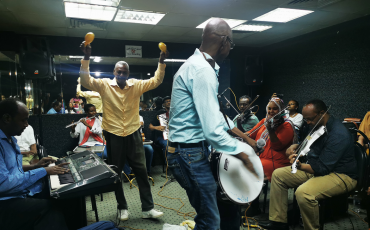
[
  {"x": 21, "y": 185},
  {"x": 195, "y": 122}
]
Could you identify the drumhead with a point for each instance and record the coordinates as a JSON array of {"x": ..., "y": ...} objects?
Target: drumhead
[{"x": 238, "y": 183}]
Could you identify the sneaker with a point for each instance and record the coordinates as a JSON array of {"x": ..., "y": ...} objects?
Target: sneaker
[
  {"x": 152, "y": 214},
  {"x": 124, "y": 214}
]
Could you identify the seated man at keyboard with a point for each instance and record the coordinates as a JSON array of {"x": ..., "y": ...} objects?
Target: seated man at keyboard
[
  {"x": 21, "y": 206},
  {"x": 89, "y": 130},
  {"x": 27, "y": 143}
]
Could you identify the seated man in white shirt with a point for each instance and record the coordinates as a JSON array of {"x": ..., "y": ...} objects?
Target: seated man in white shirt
[
  {"x": 89, "y": 130},
  {"x": 27, "y": 143}
]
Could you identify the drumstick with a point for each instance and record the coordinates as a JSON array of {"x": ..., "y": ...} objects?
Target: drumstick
[{"x": 89, "y": 37}]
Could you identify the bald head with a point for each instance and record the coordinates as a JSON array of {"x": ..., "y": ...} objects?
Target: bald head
[{"x": 215, "y": 39}]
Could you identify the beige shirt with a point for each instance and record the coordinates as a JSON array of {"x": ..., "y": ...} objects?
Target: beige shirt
[
  {"x": 91, "y": 98},
  {"x": 121, "y": 106}
]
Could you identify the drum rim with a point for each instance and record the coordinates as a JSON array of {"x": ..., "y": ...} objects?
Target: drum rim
[{"x": 220, "y": 184}]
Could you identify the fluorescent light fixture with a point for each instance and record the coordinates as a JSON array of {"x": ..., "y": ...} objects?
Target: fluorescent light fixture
[
  {"x": 92, "y": 12},
  {"x": 97, "y": 74},
  {"x": 257, "y": 28},
  {"x": 232, "y": 22},
  {"x": 142, "y": 17},
  {"x": 97, "y": 59},
  {"x": 113, "y": 3},
  {"x": 282, "y": 15},
  {"x": 175, "y": 60}
]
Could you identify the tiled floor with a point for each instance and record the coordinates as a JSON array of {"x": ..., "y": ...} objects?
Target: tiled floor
[{"x": 107, "y": 208}]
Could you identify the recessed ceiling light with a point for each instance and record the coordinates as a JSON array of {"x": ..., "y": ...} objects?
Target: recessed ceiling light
[
  {"x": 148, "y": 74},
  {"x": 97, "y": 74},
  {"x": 92, "y": 12},
  {"x": 282, "y": 15},
  {"x": 232, "y": 22},
  {"x": 175, "y": 60},
  {"x": 113, "y": 3},
  {"x": 141, "y": 17},
  {"x": 252, "y": 28}
]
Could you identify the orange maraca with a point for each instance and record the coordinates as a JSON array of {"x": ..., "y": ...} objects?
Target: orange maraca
[
  {"x": 89, "y": 37},
  {"x": 162, "y": 47}
]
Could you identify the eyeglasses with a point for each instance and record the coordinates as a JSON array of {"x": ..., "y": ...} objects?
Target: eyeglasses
[
  {"x": 310, "y": 119},
  {"x": 232, "y": 44}
]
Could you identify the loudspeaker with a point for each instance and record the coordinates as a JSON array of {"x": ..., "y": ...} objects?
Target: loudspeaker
[
  {"x": 36, "y": 60},
  {"x": 253, "y": 70}
]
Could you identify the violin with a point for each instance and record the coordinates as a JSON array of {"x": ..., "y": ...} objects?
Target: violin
[{"x": 305, "y": 146}]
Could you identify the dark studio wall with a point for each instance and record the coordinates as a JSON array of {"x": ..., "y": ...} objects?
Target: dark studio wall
[{"x": 331, "y": 64}]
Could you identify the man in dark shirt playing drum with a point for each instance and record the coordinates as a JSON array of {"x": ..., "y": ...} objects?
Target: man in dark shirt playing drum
[{"x": 329, "y": 171}]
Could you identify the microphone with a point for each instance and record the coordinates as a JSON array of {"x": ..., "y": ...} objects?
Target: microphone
[{"x": 260, "y": 144}]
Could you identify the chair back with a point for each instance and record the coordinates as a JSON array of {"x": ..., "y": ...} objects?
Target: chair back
[
  {"x": 41, "y": 152},
  {"x": 362, "y": 167}
]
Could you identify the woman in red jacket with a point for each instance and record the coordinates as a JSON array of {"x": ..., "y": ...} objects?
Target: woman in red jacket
[{"x": 279, "y": 135}]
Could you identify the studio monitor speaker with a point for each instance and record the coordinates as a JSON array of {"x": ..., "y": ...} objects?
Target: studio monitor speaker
[
  {"x": 253, "y": 70},
  {"x": 36, "y": 60}
]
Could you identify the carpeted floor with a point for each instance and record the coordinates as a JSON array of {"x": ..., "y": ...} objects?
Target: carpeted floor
[{"x": 107, "y": 208}]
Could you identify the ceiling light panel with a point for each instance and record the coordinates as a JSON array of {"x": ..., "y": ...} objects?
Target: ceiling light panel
[
  {"x": 113, "y": 3},
  {"x": 282, "y": 15},
  {"x": 142, "y": 17},
  {"x": 92, "y": 12},
  {"x": 232, "y": 22},
  {"x": 256, "y": 28}
]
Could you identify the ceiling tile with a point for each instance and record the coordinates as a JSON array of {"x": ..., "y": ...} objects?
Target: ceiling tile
[
  {"x": 204, "y": 7},
  {"x": 8, "y": 19},
  {"x": 41, "y": 7},
  {"x": 194, "y": 33},
  {"x": 324, "y": 18},
  {"x": 129, "y": 27},
  {"x": 245, "y": 10},
  {"x": 38, "y": 20},
  {"x": 348, "y": 6},
  {"x": 182, "y": 20},
  {"x": 157, "y": 5}
]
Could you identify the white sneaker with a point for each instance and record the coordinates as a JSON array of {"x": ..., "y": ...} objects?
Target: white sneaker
[
  {"x": 152, "y": 214},
  {"x": 124, "y": 214}
]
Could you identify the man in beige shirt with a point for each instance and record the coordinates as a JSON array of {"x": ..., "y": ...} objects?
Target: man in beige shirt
[
  {"x": 121, "y": 124},
  {"x": 91, "y": 97}
]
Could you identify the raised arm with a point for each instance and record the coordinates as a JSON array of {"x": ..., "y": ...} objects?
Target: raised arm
[
  {"x": 154, "y": 82},
  {"x": 86, "y": 80}
]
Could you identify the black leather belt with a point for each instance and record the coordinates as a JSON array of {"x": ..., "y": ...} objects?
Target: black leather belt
[{"x": 187, "y": 145}]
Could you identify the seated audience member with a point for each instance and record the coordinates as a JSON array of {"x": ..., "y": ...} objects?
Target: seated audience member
[
  {"x": 57, "y": 107},
  {"x": 144, "y": 107},
  {"x": 70, "y": 109},
  {"x": 27, "y": 144},
  {"x": 294, "y": 116},
  {"x": 157, "y": 101},
  {"x": 76, "y": 101},
  {"x": 278, "y": 135},
  {"x": 330, "y": 171},
  {"x": 141, "y": 105},
  {"x": 159, "y": 128},
  {"x": 365, "y": 128},
  {"x": 89, "y": 130},
  {"x": 21, "y": 206},
  {"x": 61, "y": 100},
  {"x": 249, "y": 120},
  {"x": 91, "y": 97},
  {"x": 148, "y": 157}
]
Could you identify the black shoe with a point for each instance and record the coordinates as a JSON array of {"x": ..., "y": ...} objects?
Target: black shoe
[{"x": 273, "y": 225}]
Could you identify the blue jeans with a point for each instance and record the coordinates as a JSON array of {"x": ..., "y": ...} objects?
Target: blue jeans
[
  {"x": 163, "y": 143},
  {"x": 192, "y": 170},
  {"x": 149, "y": 157}
]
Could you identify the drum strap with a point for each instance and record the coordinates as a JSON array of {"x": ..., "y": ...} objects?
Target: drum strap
[{"x": 222, "y": 111}]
